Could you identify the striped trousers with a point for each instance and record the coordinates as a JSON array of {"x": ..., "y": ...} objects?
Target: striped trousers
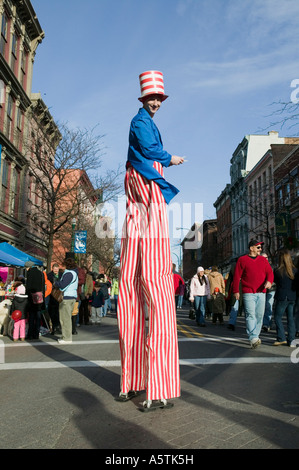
[{"x": 149, "y": 358}]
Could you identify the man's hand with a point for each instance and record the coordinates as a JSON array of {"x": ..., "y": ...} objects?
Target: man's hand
[
  {"x": 237, "y": 296},
  {"x": 175, "y": 160}
]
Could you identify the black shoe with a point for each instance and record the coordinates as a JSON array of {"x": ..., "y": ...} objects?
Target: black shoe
[{"x": 231, "y": 327}]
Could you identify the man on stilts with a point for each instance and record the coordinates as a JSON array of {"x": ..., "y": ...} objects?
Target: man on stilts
[{"x": 149, "y": 361}]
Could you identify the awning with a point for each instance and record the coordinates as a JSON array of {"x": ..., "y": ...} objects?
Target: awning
[
  {"x": 11, "y": 260},
  {"x": 17, "y": 257}
]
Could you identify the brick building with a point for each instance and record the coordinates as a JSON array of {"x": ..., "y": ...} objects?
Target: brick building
[
  {"x": 224, "y": 249},
  {"x": 21, "y": 34},
  {"x": 286, "y": 185}
]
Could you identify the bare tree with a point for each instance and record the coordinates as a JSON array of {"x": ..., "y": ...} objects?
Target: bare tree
[
  {"x": 285, "y": 115},
  {"x": 60, "y": 162}
]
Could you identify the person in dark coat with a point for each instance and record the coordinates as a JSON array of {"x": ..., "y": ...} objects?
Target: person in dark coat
[
  {"x": 287, "y": 285},
  {"x": 105, "y": 285},
  {"x": 53, "y": 306},
  {"x": 35, "y": 282},
  {"x": 218, "y": 306}
]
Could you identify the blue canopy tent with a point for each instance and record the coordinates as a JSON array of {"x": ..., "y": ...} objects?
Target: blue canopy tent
[
  {"x": 10, "y": 260},
  {"x": 16, "y": 255}
]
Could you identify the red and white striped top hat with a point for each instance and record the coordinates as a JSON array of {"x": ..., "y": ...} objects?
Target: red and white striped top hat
[{"x": 151, "y": 83}]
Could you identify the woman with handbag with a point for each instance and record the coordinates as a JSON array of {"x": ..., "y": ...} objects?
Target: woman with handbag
[
  {"x": 35, "y": 289},
  {"x": 68, "y": 284}
]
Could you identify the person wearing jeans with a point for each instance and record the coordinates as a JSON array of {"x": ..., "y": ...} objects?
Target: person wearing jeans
[
  {"x": 200, "y": 302},
  {"x": 256, "y": 275},
  {"x": 287, "y": 284},
  {"x": 199, "y": 293},
  {"x": 68, "y": 283},
  {"x": 254, "y": 305},
  {"x": 281, "y": 307}
]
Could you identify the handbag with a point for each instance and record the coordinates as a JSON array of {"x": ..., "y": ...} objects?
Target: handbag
[
  {"x": 37, "y": 297},
  {"x": 57, "y": 294}
]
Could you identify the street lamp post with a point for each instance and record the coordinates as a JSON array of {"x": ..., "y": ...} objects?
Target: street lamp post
[{"x": 74, "y": 221}]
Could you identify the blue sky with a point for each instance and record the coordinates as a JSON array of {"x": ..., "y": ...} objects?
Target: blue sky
[{"x": 224, "y": 63}]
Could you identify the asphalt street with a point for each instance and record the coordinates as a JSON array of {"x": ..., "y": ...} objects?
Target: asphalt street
[{"x": 232, "y": 397}]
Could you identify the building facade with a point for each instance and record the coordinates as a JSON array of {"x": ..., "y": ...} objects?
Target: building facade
[
  {"x": 224, "y": 230},
  {"x": 21, "y": 34},
  {"x": 247, "y": 154},
  {"x": 260, "y": 203},
  {"x": 286, "y": 188},
  {"x": 262, "y": 196},
  {"x": 209, "y": 246}
]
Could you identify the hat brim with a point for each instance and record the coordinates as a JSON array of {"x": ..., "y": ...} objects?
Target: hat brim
[
  {"x": 255, "y": 244},
  {"x": 146, "y": 97}
]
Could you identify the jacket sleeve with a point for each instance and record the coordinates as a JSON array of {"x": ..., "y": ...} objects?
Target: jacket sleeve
[
  {"x": 237, "y": 277},
  {"x": 269, "y": 274},
  {"x": 208, "y": 287},
  {"x": 150, "y": 145},
  {"x": 65, "y": 280},
  {"x": 191, "y": 297}
]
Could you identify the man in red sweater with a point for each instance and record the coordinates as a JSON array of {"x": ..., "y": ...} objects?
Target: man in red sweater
[{"x": 256, "y": 276}]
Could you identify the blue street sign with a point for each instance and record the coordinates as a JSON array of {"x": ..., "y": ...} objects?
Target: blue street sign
[{"x": 80, "y": 241}]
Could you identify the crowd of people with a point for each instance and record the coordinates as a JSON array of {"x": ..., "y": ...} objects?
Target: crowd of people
[
  {"x": 264, "y": 293},
  {"x": 253, "y": 287},
  {"x": 60, "y": 301}
]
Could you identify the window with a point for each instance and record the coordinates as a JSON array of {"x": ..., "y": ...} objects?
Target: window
[
  {"x": 24, "y": 61},
  {"x": 4, "y": 192},
  {"x": 280, "y": 197},
  {"x": 14, "y": 184},
  {"x": 19, "y": 127},
  {"x": 9, "y": 116},
  {"x": 287, "y": 200},
  {"x": 3, "y": 34},
  {"x": 14, "y": 48}
]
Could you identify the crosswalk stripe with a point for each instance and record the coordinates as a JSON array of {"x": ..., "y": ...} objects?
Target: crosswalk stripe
[{"x": 109, "y": 364}]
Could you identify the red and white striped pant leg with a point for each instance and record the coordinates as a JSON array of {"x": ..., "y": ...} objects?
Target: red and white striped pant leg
[
  {"x": 146, "y": 253},
  {"x": 130, "y": 312},
  {"x": 163, "y": 377}
]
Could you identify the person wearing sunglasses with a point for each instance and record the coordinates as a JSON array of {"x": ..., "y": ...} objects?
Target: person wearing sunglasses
[{"x": 256, "y": 276}]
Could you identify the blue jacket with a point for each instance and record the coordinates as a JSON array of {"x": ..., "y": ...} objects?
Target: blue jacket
[{"x": 145, "y": 147}]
